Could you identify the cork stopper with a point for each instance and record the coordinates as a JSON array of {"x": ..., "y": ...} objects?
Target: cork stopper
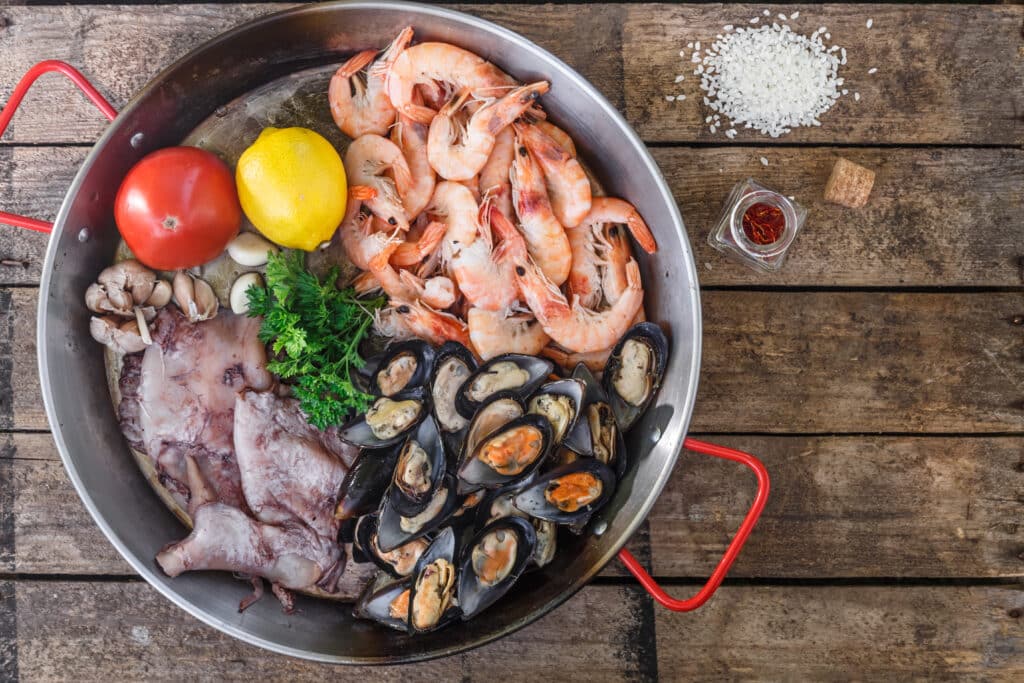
[{"x": 850, "y": 184}]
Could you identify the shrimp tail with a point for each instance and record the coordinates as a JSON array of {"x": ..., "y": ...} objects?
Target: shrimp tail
[
  {"x": 641, "y": 233},
  {"x": 356, "y": 63},
  {"x": 363, "y": 193}
]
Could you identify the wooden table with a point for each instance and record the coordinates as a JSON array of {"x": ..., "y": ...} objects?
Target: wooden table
[{"x": 880, "y": 375}]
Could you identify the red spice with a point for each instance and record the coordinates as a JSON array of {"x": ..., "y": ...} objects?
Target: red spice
[{"x": 763, "y": 223}]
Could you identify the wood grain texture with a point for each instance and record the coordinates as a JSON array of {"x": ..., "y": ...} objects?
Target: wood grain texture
[
  {"x": 842, "y": 507},
  {"x": 805, "y": 362},
  {"x": 840, "y": 633},
  {"x": 920, "y": 229},
  {"x": 118, "y": 631},
  {"x": 945, "y": 74}
]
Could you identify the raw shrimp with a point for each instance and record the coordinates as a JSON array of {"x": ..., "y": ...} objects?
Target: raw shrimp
[
  {"x": 457, "y": 151},
  {"x": 418, "y": 244},
  {"x": 560, "y": 137},
  {"x": 494, "y": 333},
  {"x": 357, "y": 107},
  {"x": 567, "y": 182},
  {"x": 580, "y": 329},
  {"x": 426, "y": 323},
  {"x": 585, "y": 276},
  {"x": 494, "y": 176},
  {"x": 611, "y": 210},
  {"x": 485, "y": 282},
  {"x": 544, "y": 234},
  {"x": 411, "y": 138},
  {"x": 438, "y": 292},
  {"x": 367, "y": 159},
  {"x": 446, "y": 64},
  {"x": 358, "y": 237}
]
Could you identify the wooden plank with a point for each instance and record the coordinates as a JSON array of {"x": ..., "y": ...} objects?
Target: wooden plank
[
  {"x": 121, "y": 48},
  {"x": 943, "y": 72},
  {"x": 128, "y": 632},
  {"x": 920, "y": 230},
  {"x": 849, "y": 507},
  {"x": 846, "y": 633},
  {"x": 841, "y": 507},
  {"x": 116, "y": 631},
  {"x": 943, "y": 76},
  {"x": 800, "y": 362}
]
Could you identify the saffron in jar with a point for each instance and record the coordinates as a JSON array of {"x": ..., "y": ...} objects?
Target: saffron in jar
[{"x": 763, "y": 223}]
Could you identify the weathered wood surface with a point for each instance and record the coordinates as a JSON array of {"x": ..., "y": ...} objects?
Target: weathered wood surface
[
  {"x": 812, "y": 362},
  {"x": 746, "y": 633},
  {"x": 920, "y": 507},
  {"x": 946, "y": 75},
  {"x": 921, "y": 228}
]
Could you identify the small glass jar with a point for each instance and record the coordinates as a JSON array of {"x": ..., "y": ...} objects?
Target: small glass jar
[{"x": 730, "y": 236}]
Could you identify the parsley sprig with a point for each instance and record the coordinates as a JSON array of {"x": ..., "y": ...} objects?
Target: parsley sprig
[{"x": 314, "y": 330}]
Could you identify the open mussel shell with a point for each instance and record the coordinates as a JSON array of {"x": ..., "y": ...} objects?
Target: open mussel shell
[
  {"x": 569, "y": 494},
  {"x": 453, "y": 365},
  {"x": 394, "y": 530},
  {"x": 634, "y": 372},
  {"x": 362, "y": 378},
  {"x": 365, "y": 483},
  {"x": 608, "y": 444},
  {"x": 404, "y": 366},
  {"x": 547, "y": 541},
  {"x": 508, "y": 453},
  {"x": 560, "y": 402},
  {"x": 578, "y": 438},
  {"x": 498, "y": 503},
  {"x": 432, "y": 602},
  {"x": 389, "y": 420},
  {"x": 400, "y": 561},
  {"x": 492, "y": 561},
  {"x": 386, "y": 601},
  {"x": 511, "y": 372},
  {"x": 419, "y": 471},
  {"x": 496, "y": 412}
]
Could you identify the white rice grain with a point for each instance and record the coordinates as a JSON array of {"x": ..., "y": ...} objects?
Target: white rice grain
[
  {"x": 764, "y": 161},
  {"x": 872, "y": 70},
  {"x": 869, "y": 23}
]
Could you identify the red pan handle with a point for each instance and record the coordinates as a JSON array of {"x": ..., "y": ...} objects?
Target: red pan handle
[
  {"x": 702, "y": 596},
  {"x": 12, "y": 105}
]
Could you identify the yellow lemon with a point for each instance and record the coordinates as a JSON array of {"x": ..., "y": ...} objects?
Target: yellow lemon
[{"x": 291, "y": 184}]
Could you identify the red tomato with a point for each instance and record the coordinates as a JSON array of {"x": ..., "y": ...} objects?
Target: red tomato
[{"x": 177, "y": 208}]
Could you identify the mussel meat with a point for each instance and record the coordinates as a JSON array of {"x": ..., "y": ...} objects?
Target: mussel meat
[
  {"x": 569, "y": 494},
  {"x": 559, "y": 401},
  {"x": 388, "y": 421},
  {"x": 453, "y": 364},
  {"x": 493, "y": 561},
  {"x": 433, "y": 588},
  {"x": 547, "y": 541},
  {"x": 518, "y": 374},
  {"x": 395, "y": 530},
  {"x": 634, "y": 372},
  {"x": 398, "y": 562},
  {"x": 509, "y": 452},
  {"x": 497, "y": 412},
  {"x": 419, "y": 471},
  {"x": 404, "y": 366}
]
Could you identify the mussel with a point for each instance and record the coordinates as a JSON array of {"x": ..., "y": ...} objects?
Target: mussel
[
  {"x": 498, "y": 504},
  {"x": 386, "y": 601},
  {"x": 634, "y": 372},
  {"x": 419, "y": 471},
  {"x": 512, "y": 372},
  {"x": 398, "y": 562},
  {"x": 432, "y": 599},
  {"x": 365, "y": 483},
  {"x": 453, "y": 364},
  {"x": 404, "y": 366},
  {"x": 492, "y": 562},
  {"x": 569, "y": 494},
  {"x": 547, "y": 541},
  {"x": 560, "y": 402},
  {"x": 389, "y": 420},
  {"x": 512, "y": 451},
  {"x": 394, "y": 529},
  {"x": 597, "y": 433},
  {"x": 496, "y": 412}
]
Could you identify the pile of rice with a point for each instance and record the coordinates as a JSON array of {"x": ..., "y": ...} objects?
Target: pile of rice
[{"x": 769, "y": 78}]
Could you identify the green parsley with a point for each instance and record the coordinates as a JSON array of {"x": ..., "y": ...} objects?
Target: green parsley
[{"x": 314, "y": 330}]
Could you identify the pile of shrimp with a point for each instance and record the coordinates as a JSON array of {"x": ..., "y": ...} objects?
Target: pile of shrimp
[{"x": 472, "y": 213}]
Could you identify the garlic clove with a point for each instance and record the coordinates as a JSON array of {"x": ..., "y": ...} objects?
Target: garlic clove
[
  {"x": 141, "y": 325},
  {"x": 206, "y": 300},
  {"x": 161, "y": 295},
  {"x": 194, "y": 297},
  {"x": 96, "y": 299},
  {"x": 119, "y": 337},
  {"x": 239, "y": 297},
  {"x": 250, "y": 249}
]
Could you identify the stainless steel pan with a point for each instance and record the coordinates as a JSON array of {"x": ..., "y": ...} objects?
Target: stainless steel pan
[{"x": 84, "y": 239}]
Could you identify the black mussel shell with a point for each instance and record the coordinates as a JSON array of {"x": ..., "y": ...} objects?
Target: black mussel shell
[
  {"x": 423, "y": 447},
  {"x": 547, "y": 542},
  {"x": 365, "y": 483},
  {"x": 359, "y": 432},
  {"x": 497, "y": 503},
  {"x": 390, "y": 531},
  {"x": 578, "y": 439},
  {"x": 453, "y": 447},
  {"x": 476, "y": 472},
  {"x": 535, "y": 502},
  {"x": 438, "y": 600},
  {"x": 629, "y": 399},
  {"x": 399, "y": 562},
  {"x": 405, "y": 365},
  {"x": 561, "y": 399},
  {"x": 375, "y": 602},
  {"x": 511, "y": 372},
  {"x": 611, "y": 452},
  {"x": 499, "y": 565},
  {"x": 362, "y": 378},
  {"x": 453, "y": 364}
]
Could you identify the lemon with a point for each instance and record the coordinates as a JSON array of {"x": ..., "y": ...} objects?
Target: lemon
[{"x": 291, "y": 184}]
